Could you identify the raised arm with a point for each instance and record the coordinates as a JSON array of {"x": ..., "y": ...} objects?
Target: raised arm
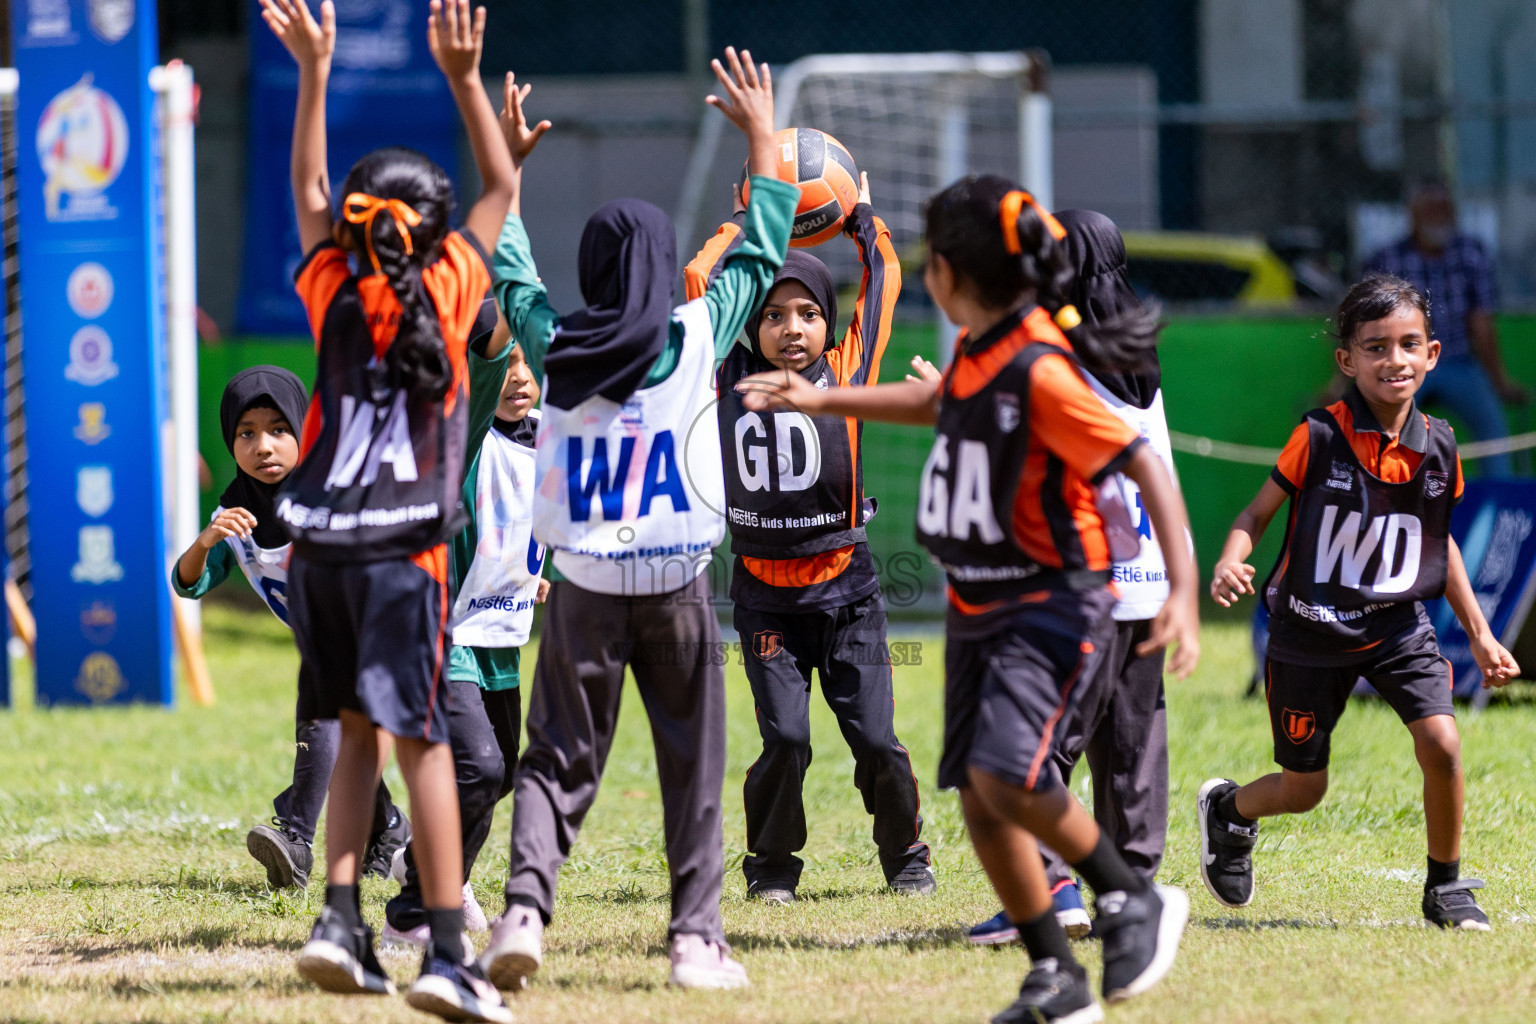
[
  {"x": 455, "y": 35},
  {"x": 857, "y": 359},
  {"x": 311, "y": 44}
]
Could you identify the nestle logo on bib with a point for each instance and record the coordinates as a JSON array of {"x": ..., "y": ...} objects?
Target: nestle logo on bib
[
  {"x": 1342, "y": 476},
  {"x": 1435, "y": 484}
]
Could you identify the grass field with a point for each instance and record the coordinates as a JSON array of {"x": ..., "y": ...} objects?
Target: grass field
[{"x": 126, "y": 893}]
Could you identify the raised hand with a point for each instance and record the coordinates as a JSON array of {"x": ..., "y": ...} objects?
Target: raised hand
[
  {"x": 227, "y": 525},
  {"x": 310, "y": 42},
  {"x": 748, "y": 103},
  {"x": 521, "y": 139},
  {"x": 926, "y": 371},
  {"x": 455, "y": 36}
]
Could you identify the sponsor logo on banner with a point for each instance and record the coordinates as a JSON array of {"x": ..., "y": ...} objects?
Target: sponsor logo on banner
[
  {"x": 93, "y": 427},
  {"x": 93, "y": 490},
  {"x": 98, "y": 558},
  {"x": 377, "y": 34},
  {"x": 82, "y": 143},
  {"x": 90, "y": 357},
  {"x": 89, "y": 290},
  {"x": 100, "y": 679},
  {"x": 47, "y": 23},
  {"x": 98, "y": 621},
  {"x": 111, "y": 19}
]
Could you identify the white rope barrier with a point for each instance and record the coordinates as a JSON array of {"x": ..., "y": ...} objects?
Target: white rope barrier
[{"x": 1253, "y": 455}]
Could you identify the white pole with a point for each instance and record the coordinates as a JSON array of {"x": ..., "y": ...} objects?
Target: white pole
[
  {"x": 1035, "y": 169},
  {"x": 954, "y": 162},
  {"x": 10, "y": 81},
  {"x": 173, "y": 81}
]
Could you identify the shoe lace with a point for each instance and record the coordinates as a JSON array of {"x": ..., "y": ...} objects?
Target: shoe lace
[{"x": 287, "y": 830}]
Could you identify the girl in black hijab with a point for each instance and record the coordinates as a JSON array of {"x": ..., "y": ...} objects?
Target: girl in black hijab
[{"x": 260, "y": 416}]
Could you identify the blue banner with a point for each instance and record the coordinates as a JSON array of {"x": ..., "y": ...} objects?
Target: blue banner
[
  {"x": 1494, "y": 527},
  {"x": 385, "y": 90},
  {"x": 93, "y": 300}
]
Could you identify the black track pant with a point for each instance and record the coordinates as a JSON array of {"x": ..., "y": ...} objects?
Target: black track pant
[
  {"x": 315, "y": 746},
  {"x": 672, "y": 644},
  {"x": 846, "y": 646},
  {"x": 483, "y": 728},
  {"x": 1122, "y": 729}
]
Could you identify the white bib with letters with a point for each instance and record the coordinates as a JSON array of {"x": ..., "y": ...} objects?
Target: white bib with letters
[
  {"x": 631, "y": 495},
  {"x": 265, "y": 568}
]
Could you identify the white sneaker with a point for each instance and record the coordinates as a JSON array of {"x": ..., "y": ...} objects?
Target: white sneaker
[
  {"x": 416, "y": 937},
  {"x": 474, "y": 916},
  {"x": 699, "y": 963},
  {"x": 517, "y": 948},
  {"x": 397, "y": 865}
]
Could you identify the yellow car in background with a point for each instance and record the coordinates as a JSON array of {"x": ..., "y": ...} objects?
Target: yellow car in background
[{"x": 1178, "y": 267}]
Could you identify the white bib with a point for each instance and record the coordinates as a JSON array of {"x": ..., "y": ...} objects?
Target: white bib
[
  {"x": 495, "y": 603},
  {"x": 265, "y": 568},
  {"x": 1142, "y": 579},
  {"x": 631, "y": 495}
]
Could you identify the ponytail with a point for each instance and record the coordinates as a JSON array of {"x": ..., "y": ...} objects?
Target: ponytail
[{"x": 1005, "y": 244}]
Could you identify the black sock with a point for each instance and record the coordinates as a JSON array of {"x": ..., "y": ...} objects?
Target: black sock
[
  {"x": 1440, "y": 873},
  {"x": 1043, "y": 937},
  {"x": 344, "y": 900},
  {"x": 447, "y": 928},
  {"x": 1227, "y": 808},
  {"x": 1105, "y": 871}
]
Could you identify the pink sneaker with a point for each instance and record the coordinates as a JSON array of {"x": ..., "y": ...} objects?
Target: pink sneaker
[
  {"x": 517, "y": 948},
  {"x": 698, "y": 963},
  {"x": 417, "y": 936},
  {"x": 474, "y": 917}
]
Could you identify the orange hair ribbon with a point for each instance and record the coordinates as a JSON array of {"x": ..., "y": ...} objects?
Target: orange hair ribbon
[
  {"x": 362, "y": 208},
  {"x": 1009, "y": 209}
]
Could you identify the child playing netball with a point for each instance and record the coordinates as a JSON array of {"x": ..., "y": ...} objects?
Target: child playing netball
[
  {"x": 1007, "y": 507},
  {"x": 375, "y": 498},
  {"x": 259, "y": 414},
  {"x": 1371, "y": 482},
  {"x": 629, "y": 503},
  {"x": 804, "y": 584}
]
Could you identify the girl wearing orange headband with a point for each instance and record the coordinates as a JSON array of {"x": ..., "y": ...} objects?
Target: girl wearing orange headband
[{"x": 1008, "y": 507}]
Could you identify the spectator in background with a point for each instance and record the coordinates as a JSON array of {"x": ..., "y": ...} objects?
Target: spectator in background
[{"x": 1456, "y": 274}]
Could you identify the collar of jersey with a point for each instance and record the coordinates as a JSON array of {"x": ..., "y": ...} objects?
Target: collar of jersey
[{"x": 1414, "y": 435}]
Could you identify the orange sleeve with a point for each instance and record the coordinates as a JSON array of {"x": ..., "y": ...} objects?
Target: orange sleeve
[
  {"x": 1291, "y": 468},
  {"x": 1071, "y": 421},
  {"x": 696, "y": 274},
  {"x": 317, "y": 282},
  {"x": 1460, "y": 483}
]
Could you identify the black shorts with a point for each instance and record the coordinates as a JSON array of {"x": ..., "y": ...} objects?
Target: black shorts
[
  {"x": 1305, "y": 702},
  {"x": 370, "y": 638},
  {"x": 1009, "y": 697}
]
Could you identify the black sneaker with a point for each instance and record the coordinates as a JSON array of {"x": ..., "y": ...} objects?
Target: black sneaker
[
  {"x": 457, "y": 990},
  {"x": 339, "y": 958},
  {"x": 283, "y": 852},
  {"x": 380, "y": 857},
  {"x": 1451, "y": 905},
  {"x": 916, "y": 879},
  {"x": 1141, "y": 935},
  {"x": 1050, "y": 993},
  {"x": 1226, "y": 848},
  {"x": 771, "y": 891}
]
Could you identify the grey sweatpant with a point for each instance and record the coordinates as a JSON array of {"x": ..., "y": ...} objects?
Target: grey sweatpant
[
  {"x": 672, "y": 643},
  {"x": 1122, "y": 728}
]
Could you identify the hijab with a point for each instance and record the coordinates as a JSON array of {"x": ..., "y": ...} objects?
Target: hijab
[
  {"x": 628, "y": 268},
  {"x": 1101, "y": 290},
  {"x": 817, "y": 279},
  {"x": 270, "y": 387}
]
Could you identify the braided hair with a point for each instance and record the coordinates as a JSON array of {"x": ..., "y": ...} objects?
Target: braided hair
[
  {"x": 397, "y": 206},
  {"x": 1006, "y": 246}
]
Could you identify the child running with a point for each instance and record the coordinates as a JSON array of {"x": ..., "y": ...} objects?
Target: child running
[
  {"x": 1007, "y": 506},
  {"x": 629, "y": 502},
  {"x": 375, "y": 498},
  {"x": 1122, "y": 724},
  {"x": 806, "y": 592},
  {"x": 1371, "y": 482},
  {"x": 258, "y": 413}
]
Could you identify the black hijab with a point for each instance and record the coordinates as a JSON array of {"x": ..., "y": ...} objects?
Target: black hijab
[
  {"x": 811, "y": 272},
  {"x": 1102, "y": 290},
  {"x": 628, "y": 268},
  {"x": 268, "y": 387}
]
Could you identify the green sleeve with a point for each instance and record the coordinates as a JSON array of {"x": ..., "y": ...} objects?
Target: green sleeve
[
  {"x": 215, "y": 571},
  {"x": 746, "y": 274},
  {"x": 485, "y": 379},
  {"x": 521, "y": 294}
]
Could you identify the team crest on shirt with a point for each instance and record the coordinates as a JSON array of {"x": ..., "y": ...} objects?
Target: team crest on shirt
[
  {"x": 821, "y": 382},
  {"x": 1435, "y": 483},
  {"x": 767, "y": 644},
  {"x": 1299, "y": 725},
  {"x": 1341, "y": 477},
  {"x": 1007, "y": 409}
]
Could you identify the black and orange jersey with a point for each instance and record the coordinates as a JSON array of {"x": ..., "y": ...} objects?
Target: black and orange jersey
[
  {"x": 796, "y": 504},
  {"x": 379, "y": 469},
  {"x": 1367, "y": 535},
  {"x": 1008, "y": 504}
]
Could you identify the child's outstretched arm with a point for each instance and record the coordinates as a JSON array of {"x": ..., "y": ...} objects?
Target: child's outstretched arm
[
  {"x": 1234, "y": 575},
  {"x": 1497, "y": 664},
  {"x": 912, "y": 402},
  {"x": 455, "y": 36},
  {"x": 520, "y": 139},
  {"x": 228, "y": 524},
  {"x": 1178, "y": 622},
  {"x": 311, "y": 43}
]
